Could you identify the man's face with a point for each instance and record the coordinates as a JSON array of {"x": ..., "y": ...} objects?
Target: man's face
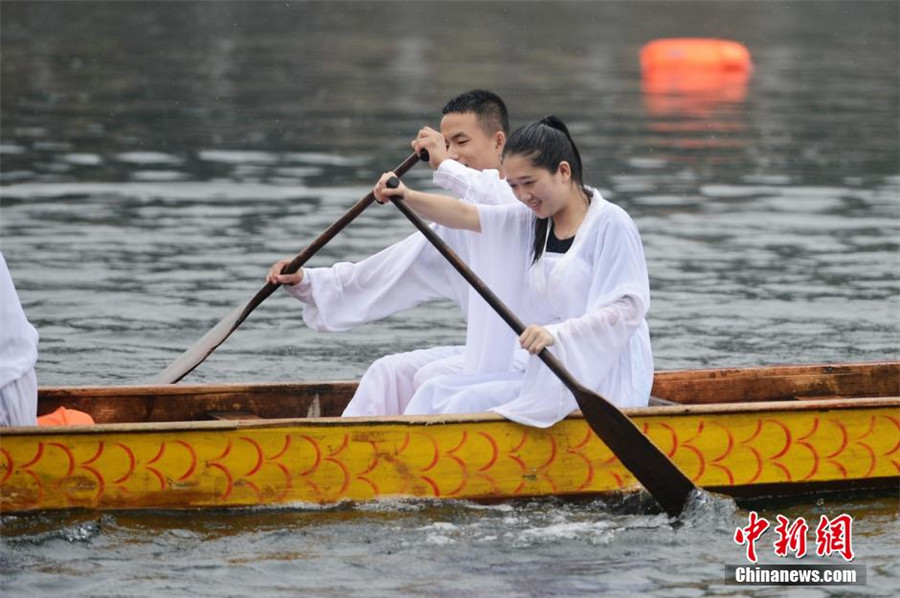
[{"x": 468, "y": 143}]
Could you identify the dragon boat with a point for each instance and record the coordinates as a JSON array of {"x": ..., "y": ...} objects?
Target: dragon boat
[{"x": 744, "y": 432}]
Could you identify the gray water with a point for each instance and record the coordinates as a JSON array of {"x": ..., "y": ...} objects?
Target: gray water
[{"x": 155, "y": 158}]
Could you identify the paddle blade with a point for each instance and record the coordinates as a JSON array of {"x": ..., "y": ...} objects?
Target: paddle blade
[
  {"x": 194, "y": 356},
  {"x": 652, "y": 468}
]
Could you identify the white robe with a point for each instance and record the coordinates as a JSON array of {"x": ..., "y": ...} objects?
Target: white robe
[
  {"x": 401, "y": 276},
  {"x": 18, "y": 354},
  {"x": 593, "y": 300}
]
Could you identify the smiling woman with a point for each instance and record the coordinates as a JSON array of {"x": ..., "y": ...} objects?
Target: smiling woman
[{"x": 586, "y": 294}]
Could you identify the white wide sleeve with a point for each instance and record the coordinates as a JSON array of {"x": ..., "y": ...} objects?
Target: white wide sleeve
[
  {"x": 474, "y": 186},
  {"x": 499, "y": 256},
  {"x": 401, "y": 276}
]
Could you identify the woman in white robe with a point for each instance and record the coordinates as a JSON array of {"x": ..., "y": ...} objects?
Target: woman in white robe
[
  {"x": 18, "y": 354},
  {"x": 587, "y": 302}
]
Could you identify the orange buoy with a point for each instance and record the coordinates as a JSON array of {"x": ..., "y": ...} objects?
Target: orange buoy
[
  {"x": 695, "y": 53},
  {"x": 66, "y": 417},
  {"x": 693, "y": 76}
]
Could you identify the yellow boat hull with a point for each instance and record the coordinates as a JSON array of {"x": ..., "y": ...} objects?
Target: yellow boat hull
[{"x": 740, "y": 449}]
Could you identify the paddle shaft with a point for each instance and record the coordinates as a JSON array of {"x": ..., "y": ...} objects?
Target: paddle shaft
[
  {"x": 194, "y": 356},
  {"x": 323, "y": 239},
  {"x": 671, "y": 488}
]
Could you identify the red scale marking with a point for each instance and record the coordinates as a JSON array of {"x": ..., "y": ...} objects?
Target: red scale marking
[
  {"x": 587, "y": 438},
  {"x": 159, "y": 476},
  {"x": 162, "y": 449},
  {"x": 465, "y": 476},
  {"x": 287, "y": 444},
  {"x": 495, "y": 451},
  {"x": 253, "y": 487},
  {"x": 873, "y": 460},
  {"x": 37, "y": 456},
  {"x": 552, "y": 453},
  {"x": 9, "y": 465},
  {"x": 101, "y": 483},
  {"x": 370, "y": 483},
  {"x": 434, "y": 487},
  {"x": 318, "y": 459},
  {"x": 755, "y": 433},
  {"x": 404, "y": 445},
  {"x": 590, "y": 472},
  {"x": 343, "y": 446},
  {"x": 437, "y": 454},
  {"x": 842, "y": 469},
  {"x": 700, "y": 458},
  {"x": 193, "y": 465},
  {"x": 227, "y": 473},
  {"x": 787, "y": 438},
  {"x": 259, "y": 456},
  {"x": 287, "y": 480},
  {"x": 96, "y": 455},
  {"x": 375, "y": 458},
  {"x": 132, "y": 463},
  {"x": 344, "y": 470},
  {"x": 620, "y": 482},
  {"x": 521, "y": 442},
  {"x": 759, "y": 463},
  {"x": 68, "y": 453},
  {"x": 225, "y": 453},
  {"x": 812, "y": 430},
  {"x": 787, "y": 473},
  {"x": 871, "y": 427},
  {"x": 491, "y": 481},
  {"x": 674, "y": 439},
  {"x": 815, "y": 455},
  {"x": 462, "y": 441},
  {"x": 896, "y": 446},
  {"x": 728, "y": 448},
  {"x": 727, "y": 472},
  {"x": 843, "y": 440}
]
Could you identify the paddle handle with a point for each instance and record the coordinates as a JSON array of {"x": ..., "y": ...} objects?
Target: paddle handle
[
  {"x": 357, "y": 208},
  {"x": 486, "y": 293},
  {"x": 327, "y": 235},
  {"x": 194, "y": 356}
]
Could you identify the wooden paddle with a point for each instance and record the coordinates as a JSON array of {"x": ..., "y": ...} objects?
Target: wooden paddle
[
  {"x": 194, "y": 356},
  {"x": 668, "y": 485}
]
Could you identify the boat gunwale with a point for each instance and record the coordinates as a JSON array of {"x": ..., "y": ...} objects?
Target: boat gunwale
[
  {"x": 699, "y": 375},
  {"x": 805, "y": 405}
]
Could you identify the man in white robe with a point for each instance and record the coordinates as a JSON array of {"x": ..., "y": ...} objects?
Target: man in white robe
[
  {"x": 465, "y": 156},
  {"x": 18, "y": 354}
]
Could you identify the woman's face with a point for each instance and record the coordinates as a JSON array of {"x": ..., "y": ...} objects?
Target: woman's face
[{"x": 543, "y": 191}]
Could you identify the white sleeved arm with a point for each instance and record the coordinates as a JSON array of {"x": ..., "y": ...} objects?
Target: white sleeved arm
[
  {"x": 401, "y": 276},
  {"x": 302, "y": 291},
  {"x": 613, "y": 325},
  {"x": 474, "y": 186}
]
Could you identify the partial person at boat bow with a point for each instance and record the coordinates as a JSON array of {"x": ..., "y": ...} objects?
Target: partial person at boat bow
[{"x": 18, "y": 354}]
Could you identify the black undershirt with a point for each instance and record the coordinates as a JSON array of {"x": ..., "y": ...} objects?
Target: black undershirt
[{"x": 556, "y": 245}]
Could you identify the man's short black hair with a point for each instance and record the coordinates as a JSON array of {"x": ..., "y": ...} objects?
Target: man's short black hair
[{"x": 487, "y": 106}]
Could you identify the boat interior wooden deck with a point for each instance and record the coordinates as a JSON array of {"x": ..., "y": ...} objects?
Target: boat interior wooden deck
[{"x": 695, "y": 388}]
